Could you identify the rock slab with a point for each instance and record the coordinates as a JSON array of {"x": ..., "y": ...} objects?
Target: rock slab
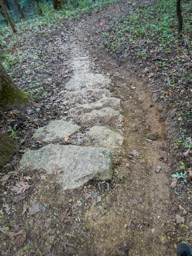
[
  {"x": 57, "y": 129},
  {"x": 104, "y": 102},
  {"x": 104, "y": 137},
  {"x": 76, "y": 165},
  {"x": 104, "y": 116},
  {"x": 87, "y": 80}
]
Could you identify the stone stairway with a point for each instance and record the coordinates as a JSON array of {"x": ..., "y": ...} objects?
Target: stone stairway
[{"x": 94, "y": 116}]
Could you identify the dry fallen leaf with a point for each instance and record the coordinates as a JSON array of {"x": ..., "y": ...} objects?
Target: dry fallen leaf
[
  {"x": 174, "y": 183},
  {"x": 17, "y": 233},
  {"x": 43, "y": 177},
  {"x": 20, "y": 187},
  {"x": 179, "y": 219},
  {"x": 6, "y": 208},
  {"x": 66, "y": 138},
  {"x": 5, "y": 177},
  {"x": 25, "y": 208},
  {"x": 189, "y": 178},
  {"x": 22, "y": 240}
]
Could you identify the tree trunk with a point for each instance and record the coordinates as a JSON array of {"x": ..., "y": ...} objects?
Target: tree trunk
[
  {"x": 179, "y": 16},
  {"x": 10, "y": 95},
  {"x": 7, "y": 4},
  {"x": 7, "y": 16},
  {"x": 38, "y": 8},
  {"x": 57, "y": 4},
  {"x": 19, "y": 9},
  {"x": 3, "y": 14},
  {"x": 7, "y": 148}
]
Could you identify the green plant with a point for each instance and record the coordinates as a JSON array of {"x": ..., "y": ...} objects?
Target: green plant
[
  {"x": 180, "y": 175},
  {"x": 182, "y": 166},
  {"x": 37, "y": 93},
  {"x": 187, "y": 143},
  {"x": 12, "y": 133}
]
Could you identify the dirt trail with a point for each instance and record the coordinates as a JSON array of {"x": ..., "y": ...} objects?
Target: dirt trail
[
  {"x": 128, "y": 215},
  {"x": 136, "y": 216}
]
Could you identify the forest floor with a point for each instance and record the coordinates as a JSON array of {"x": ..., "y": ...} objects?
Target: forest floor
[{"x": 142, "y": 210}]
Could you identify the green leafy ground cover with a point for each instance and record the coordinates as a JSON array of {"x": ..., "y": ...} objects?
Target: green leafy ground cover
[{"x": 149, "y": 38}]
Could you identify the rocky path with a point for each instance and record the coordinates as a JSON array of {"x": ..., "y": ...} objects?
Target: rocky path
[
  {"x": 112, "y": 131},
  {"x": 101, "y": 171},
  {"x": 93, "y": 108}
]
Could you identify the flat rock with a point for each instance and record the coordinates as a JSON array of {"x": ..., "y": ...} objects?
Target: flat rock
[
  {"x": 104, "y": 137},
  {"x": 74, "y": 165},
  {"x": 84, "y": 96},
  {"x": 111, "y": 102},
  {"x": 87, "y": 80},
  {"x": 104, "y": 116},
  {"x": 57, "y": 129}
]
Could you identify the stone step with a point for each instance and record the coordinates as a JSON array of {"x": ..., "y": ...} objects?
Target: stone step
[
  {"x": 74, "y": 165},
  {"x": 103, "y": 137},
  {"x": 87, "y": 80},
  {"x": 56, "y": 130}
]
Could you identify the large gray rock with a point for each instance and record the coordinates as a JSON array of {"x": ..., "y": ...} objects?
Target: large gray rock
[
  {"x": 104, "y": 116},
  {"x": 84, "y": 96},
  {"x": 104, "y": 102},
  {"x": 75, "y": 165},
  {"x": 57, "y": 129},
  {"x": 104, "y": 137},
  {"x": 87, "y": 80}
]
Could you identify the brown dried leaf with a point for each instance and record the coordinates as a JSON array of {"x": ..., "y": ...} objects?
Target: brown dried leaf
[
  {"x": 66, "y": 138},
  {"x": 179, "y": 219},
  {"x": 22, "y": 240},
  {"x": 43, "y": 177},
  {"x": 189, "y": 178},
  {"x": 17, "y": 233},
  {"x": 5, "y": 177},
  {"x": 174, "y": 183},
  {"x": 25, "y": 208},
  {"x": 20, "y": 187},
  {"x": 6, "y": 208}
]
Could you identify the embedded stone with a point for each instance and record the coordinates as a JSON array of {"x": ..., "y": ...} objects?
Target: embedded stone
[
  {"x": 104, "y": 116},
  {"x": 84, "y": 96},
  {"x": 57, "y": 129},
  {"x": 87, "y": 80},
  {"x": 105, "y": 102},
  {"x": 104, "y": 137},
  {"x": 74, "y": 165}
]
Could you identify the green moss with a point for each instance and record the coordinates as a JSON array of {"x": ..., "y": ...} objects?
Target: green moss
[
  {"x": 7, "y": 148},
  {"x": 12, "y": 97}
]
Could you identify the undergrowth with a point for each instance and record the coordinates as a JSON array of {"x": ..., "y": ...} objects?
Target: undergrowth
[
  {"x": 36, "y": 24},
  {"x": 155, "y": 23},
  {"x": 50, "y": 16},
  {"x": 149, "y": 37}
]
